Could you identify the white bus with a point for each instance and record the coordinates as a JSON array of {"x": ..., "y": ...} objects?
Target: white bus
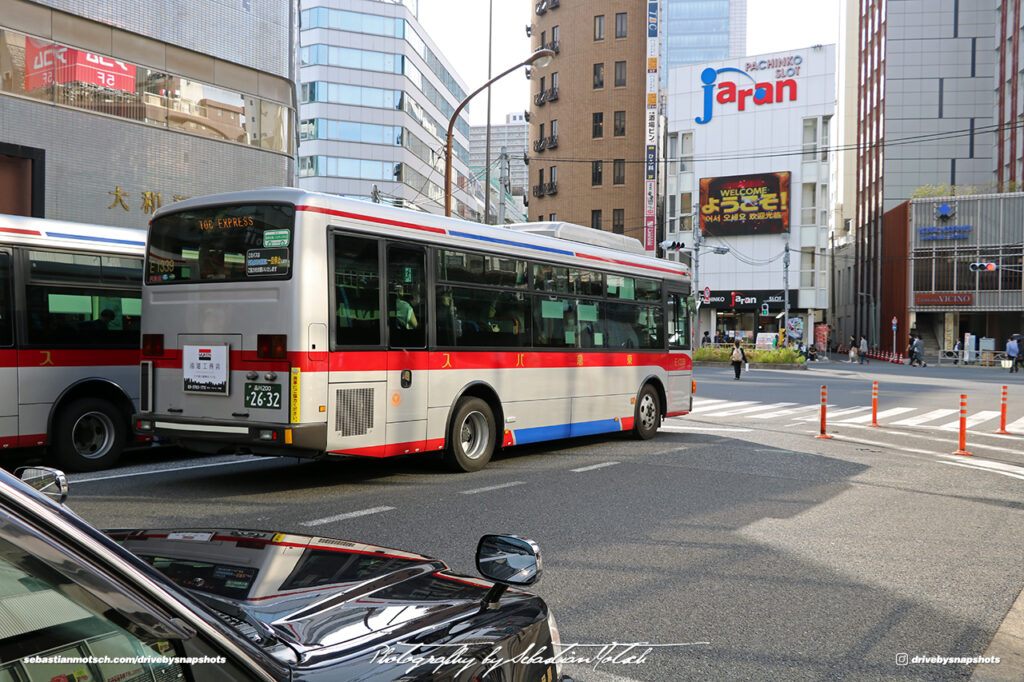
[
  {"x": 285, "y": 322},
  {"x": 69, "y": 338}
]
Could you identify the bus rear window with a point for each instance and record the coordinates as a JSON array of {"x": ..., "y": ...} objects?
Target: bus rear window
[{"x": 221, "y": 244}]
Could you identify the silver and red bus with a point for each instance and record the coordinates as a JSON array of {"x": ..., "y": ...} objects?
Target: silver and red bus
[
  {"x": 286, "y": 322},
  {"x": 70, "y": 302}
]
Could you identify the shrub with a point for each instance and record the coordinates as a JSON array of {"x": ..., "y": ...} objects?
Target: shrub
[{"x": 774, "y": 356}]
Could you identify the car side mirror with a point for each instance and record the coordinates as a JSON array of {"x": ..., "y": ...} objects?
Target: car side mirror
[
  {"x": 507, "y": 560},
  {"x": 50, "y": 482}
]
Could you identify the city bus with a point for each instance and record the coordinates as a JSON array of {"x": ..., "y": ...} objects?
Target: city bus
[
  {"x": 70, "y": 300},
  {"x": 287, "y": 322}
]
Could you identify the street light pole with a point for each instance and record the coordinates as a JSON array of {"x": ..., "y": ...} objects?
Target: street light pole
[{"x": 541, "y": 58}]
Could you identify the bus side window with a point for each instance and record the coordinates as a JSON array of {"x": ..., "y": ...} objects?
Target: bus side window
[
  {"x": 6, "y": 308},
  {"x": 406, "y": 310},
  {"x": 356, "y": 291}
]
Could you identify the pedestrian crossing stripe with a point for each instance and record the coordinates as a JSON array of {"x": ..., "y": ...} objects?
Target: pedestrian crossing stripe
[{"x": 752, "y": 409}]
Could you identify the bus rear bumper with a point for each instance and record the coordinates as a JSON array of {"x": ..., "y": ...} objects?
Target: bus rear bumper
[{"x": 221, "y": 435}]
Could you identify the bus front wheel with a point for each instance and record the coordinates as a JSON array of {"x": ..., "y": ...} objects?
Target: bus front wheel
[
  {"x": 647, "y": 416},
  {"x": 89, "y": 435},
  {"x": 471, "y": 437}
]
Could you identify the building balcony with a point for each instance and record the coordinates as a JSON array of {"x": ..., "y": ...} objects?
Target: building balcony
[
  {"x": 551, "y": 142},
  {"x": 551, "y": 45},
  {"x": 551, "y": 188},
  {"x": 540, "y": 145},
  {"x": 538, "y": 190}
]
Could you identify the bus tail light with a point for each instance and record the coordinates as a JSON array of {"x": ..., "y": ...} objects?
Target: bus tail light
[
  {"x": 272, "y": 346},
  {"x": 152, "y": 345}
]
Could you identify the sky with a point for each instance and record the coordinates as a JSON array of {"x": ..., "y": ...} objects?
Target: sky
[{"x": 772, "y": 26}]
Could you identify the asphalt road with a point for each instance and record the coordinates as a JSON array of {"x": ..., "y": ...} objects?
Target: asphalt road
[{"x": 737, "y": 548}]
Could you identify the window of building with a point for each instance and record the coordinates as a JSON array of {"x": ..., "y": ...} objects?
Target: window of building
[
  {"x": 554, "y": 81},
  {"x": 620, "y": 124},
  {"x": 540, "y": 132},
  {"x": 598, "y": 76},
  {"x": 553, "y": 217},
  {"x": 597, "y": 130},
  {"x": 540, "y": 179},
  {"x": 825, "y": 120},
  {"x": 554, "y": 128},
  {"x": 620, "y": 74},
  {"x": 596, "y": 173},
  {"x": 686, "y": 153},
  {"x": 554, "y": 36},
  {"x": 618, "y": 220},
  {"x": 620, "y": 25},
  {"x": 595, "y": 219},
  {"x": 808, "y": 204},
  {"x": 599, "y": 27},
  {"x": 619, "y": 172},
  {"x": 810, "y": 139},
  {"x": 553, "y": 174}
]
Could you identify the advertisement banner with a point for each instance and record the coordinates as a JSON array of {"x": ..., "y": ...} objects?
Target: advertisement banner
[{"x": 745, "y": 204}]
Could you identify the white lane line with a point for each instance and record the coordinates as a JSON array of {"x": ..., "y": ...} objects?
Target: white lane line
[
  {"x": 1016, "y": 427},
  {"x": 865, "y": 418},
  {"x": 342, "y": 517},
  {"x": 974, "y": 465},
  {"x": 784, "y": 413},
  {"x": 700, "y": 402},
  {"x": 926, "y": 417},
  {"x": 972, "y": 420},
  {"x": 74, "y": 479},
  {"x": 835, "y": 415},
  {"x": 697, "y": 429},
  {"x": 708, "y": 408},
  {"x": 594, "y": 466},
  {"x": 491, "y": 487},
  {"x": 755, "y": 408}
]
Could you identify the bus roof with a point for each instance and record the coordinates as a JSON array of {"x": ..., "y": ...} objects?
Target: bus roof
[
  {"x": 434, "y": 226},
  {"x": 82, "y": 236}
]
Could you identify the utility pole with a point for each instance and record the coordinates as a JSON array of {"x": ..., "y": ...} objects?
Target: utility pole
[
  {"x": 785, "y": 300},
  {"x": 504, "y": 183}
]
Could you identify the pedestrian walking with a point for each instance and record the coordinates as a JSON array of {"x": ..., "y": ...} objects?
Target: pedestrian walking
[
  {"x": 738, "y": 357},
  {"x": 706, "y": 340},
  {"x": 919, "y": 350},
  {"x": 912, "y": 350},
  {"x": 1013, "y": 353},
  {"x": 956, "y": 352},
  {"x": 863, "y": 353}
]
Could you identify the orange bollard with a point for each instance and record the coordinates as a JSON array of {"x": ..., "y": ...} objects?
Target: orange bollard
[
  {"x": 1002, "y": 415},
  {"x": 874, "y": 404},
  {"x": 824, "y": 402},
  {"x": 963, "y": 427}
]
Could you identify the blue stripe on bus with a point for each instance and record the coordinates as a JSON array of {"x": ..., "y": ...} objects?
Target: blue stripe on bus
[
  {"x": 539, "y": 434},
  {"x": 510, "y": 242},
  {"x": 106, "y": 240}
]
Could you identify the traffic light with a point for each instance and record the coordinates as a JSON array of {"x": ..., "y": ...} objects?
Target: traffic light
[
  {"x": 764, "y": 310},
  {"x": 984, "y": 267},
  {"x": 670, "y": 245}
]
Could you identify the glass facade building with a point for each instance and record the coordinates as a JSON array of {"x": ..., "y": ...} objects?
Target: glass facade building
[
  {"x": 376, "y": 97},
  {"x": 697, "y": 31}
]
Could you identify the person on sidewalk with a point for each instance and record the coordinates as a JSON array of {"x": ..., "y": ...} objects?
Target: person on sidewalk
[
  {"x": 863, "y": 352},
  {"x": 1013, "y": 353},
  {"x": 919, "y": 350},
  {"x": 738, "y": 357}
]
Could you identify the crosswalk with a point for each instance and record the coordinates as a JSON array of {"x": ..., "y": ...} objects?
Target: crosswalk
[{"x": 941, "y": 419}]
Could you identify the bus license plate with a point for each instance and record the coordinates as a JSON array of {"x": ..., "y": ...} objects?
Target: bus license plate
[{"x": 263, "y": 396}]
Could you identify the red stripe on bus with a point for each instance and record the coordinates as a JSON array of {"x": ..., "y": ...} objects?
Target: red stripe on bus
[
  {"x": 395, "y": 449},
  {"x": 68, "y": 357},
  {"x": 16, "y": 230},
  {"x": 627, "y": 423},
  {"x": 371, "y": 219},
  {"x": 678, "y": 413},
  {"x": 23, "y": 441},
  {"x": 632, "y": 265}
]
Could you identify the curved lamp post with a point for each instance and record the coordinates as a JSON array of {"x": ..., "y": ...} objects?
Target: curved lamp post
[{"x": 540, "y": 58}]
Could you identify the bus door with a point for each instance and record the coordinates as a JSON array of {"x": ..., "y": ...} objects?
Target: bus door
[
  {"x": 407, "y": 323},
  {"x": 8, "y": 356},
  {"x": 680, "y": 370}
]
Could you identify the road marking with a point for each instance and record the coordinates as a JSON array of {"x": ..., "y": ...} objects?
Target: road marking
[
  {"x": 594, "y": 466},
  {"x": 491, "y": 487},
  {"x": 756, "y": 408},
  {"x": 835, "y": 415},
  {"x": 74, "y": 479},
  {"x": 708, "y": 408},
  {"x": 694, "y": 429},
  {"x": 342, "y": 517},
  {"x": 922, "y": 418},
  {"x": 972, "y": 420},
  {"x": 864, "y": 418},
  {"x": 1017, "y": 426},
  {"x": 991, "y": 470},
  {"x": 783, "y": 413}
]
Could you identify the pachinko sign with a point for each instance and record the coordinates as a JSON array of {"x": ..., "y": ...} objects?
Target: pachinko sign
[
  {"x": 745, "y": 204},
  {"x": 730, "y": 87},
  {"x": 47, "y": 63}
]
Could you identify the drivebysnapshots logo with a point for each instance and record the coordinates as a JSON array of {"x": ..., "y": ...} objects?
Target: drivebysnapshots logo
[
  {"x": 460, "y": 658},
  {"x": 903, "y": 659}
]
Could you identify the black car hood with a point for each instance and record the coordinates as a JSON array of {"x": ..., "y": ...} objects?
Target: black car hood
[{"x": 312, "y": 592}]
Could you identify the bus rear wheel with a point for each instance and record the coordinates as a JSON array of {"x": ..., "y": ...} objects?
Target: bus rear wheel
[
  {"x": 647, "y": 416},
  {"x": 89, "y": 435},
  {"x": 471, "y": 436}
]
